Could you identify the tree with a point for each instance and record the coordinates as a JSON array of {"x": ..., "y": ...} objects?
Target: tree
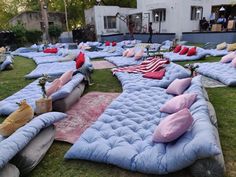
[{"x": 54, "y": 32}]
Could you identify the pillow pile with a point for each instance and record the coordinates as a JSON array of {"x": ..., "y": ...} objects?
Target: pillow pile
[
  {"x": 234, "y": 62},
  {"x": 221, "y": 46},
  {"x": 228, "y": 58},
  {"x": 184, "y": 51},
  {"x": 192, "y": 51},
  {"x": 177, "y": 49},
  {"x": 125, "y": 52},
  {"x": 130, "y": 53},
  {"x": 180, "y": 120},
  {"x": 173, "y": 126},
  {"x": 178, "y": 86},
  {"x": 113, "y": 44},
  {"x": 107, "y": 43},
  {"x": 58, "y": 83},
  {"x": 138, "y": 55},
  {"x": 50, "y": 50},
  {"x": 17, "y": 119},
  {"x": 178, "y": 103},
  {"x": 231, "y": 47},
  {"x": 80, "y": 59}
]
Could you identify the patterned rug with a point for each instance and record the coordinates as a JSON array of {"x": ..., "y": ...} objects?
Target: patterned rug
[
  {"x": 102, "y": 64},
  {"x": 82, "y": 115},
  {"x": 211, "y": 83}
]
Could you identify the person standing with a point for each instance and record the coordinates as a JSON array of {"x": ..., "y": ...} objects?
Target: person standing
[{"x": 150, "y": 32}]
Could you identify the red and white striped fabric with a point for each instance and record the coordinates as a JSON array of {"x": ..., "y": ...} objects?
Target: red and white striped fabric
[{"x": 151, "y": 65}]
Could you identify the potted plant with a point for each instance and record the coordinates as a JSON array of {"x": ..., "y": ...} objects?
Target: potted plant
[{"x": 43, "y": 104}]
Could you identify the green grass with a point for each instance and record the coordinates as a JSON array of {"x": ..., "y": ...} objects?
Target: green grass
[{"x": 54, "y": 165}]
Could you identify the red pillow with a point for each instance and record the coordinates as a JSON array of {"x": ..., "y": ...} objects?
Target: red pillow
[
  {"x": 177, "y": 49},
  {"x": 192, "y": 51},
  {"x": 155, "y": 75},
  {"x": 107, "y": 43},
  {"x": 80, "y": 59},
  {"x": 113, "y": 44},
  {"x": 52, "y": 50},
  {"x": 184, "y": 51}
]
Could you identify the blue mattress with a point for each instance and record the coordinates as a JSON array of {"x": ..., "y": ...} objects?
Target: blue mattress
[
  {"x": 56, "y": 58},
  {"x": 201, "y": 53},
  {"x": 135, "y": 81},
  {"x": 122, "y": 135},
  {"x": 32, "y": 92},
  {"x": 223, "y": 72},
  {"x": 123, "y": 61},
  {"x": 101, "y": 54},
  {"x": 13, "y": 144},
  {"x": 51, "y": 69},
  {"x": 216, "y": 53},
  {"x": 35, "y": 54}
]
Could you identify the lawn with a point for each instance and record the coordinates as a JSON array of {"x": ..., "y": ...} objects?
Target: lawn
[{"x": 54, "y": 165}]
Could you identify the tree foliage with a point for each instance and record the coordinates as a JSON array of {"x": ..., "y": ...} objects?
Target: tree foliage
[{"x": 75, "y": 8}]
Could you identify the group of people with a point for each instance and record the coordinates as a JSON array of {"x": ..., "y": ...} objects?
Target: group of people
[{"x": 205, "y": 25}]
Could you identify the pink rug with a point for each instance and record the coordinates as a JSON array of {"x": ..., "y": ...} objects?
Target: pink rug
[
  {"x": 82, "y": 115},
  {"x": 102, "y": 64}
]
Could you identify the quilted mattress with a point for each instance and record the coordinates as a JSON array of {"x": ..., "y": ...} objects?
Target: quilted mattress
[
  {"x": 51, "y": 69},
  {"x": 216, "y": 53},
  {"x": 123, "y": 61},
  {"x": 101, "y": 54},
  {"x": 122, "y": 135},
  {"x": 35, "y": 54},
  {"x": 201, "y": 53},
  {"x": 137, "y": 81},
  {"x": 32, "y": 92},
  {"x": 223, "y": 72}
]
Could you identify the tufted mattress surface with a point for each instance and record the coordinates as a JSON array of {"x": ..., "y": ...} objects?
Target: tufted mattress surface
[
  {"x": 215, "y": 52},
  {"x": 101, "y": 54},
  {"x": 35, "y": 54},
  {"x": 223, "y": 72},
  {"x": 123, "y": 134},
  {"x": 123, "y": 61},
  {"x": 137, "y": 81}
]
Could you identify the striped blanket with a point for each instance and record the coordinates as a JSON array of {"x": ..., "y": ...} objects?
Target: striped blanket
[{"x": 150, "y": 65}]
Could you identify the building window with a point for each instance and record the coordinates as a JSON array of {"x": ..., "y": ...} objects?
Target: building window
[
  {"x": 196, "y": 12},
  {"x": 159, "y": 15},
  {"x": 109, "y": 22}
]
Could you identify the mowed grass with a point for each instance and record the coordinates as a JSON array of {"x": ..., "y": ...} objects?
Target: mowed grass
[{"x": 54, "y": 165}]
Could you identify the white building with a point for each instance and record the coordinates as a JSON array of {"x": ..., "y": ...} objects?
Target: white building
[{"x": 168, "y": 16}]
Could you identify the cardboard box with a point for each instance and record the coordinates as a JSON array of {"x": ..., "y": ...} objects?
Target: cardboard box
[{"x": 216, "y": 27}]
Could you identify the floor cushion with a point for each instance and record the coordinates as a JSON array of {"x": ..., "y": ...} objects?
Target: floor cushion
[
  {"x": 9, "y": 171},
  {"x": 29, "y": 157}
]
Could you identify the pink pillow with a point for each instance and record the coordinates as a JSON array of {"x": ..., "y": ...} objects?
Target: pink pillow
[
  {"x": 228, "y": 58},
  {"x": 178, "y": 86},
  {"x": 66, "y": 77},
  {"x": 125, "y": 52},
  {"x": 173, "y": 126},
  {"x": 130, "y": 53},
  {"x": 179, "y": 102},
  {"x": 139, "y": 55},
  {"x": 234, "y": 62},
  {"x": 55, "y": 85}
]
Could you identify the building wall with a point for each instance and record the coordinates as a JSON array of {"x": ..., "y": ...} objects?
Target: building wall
[
  {"x": 178, "y": 15},
  {"x": 31, "y": 20},
  {"x": 102, "y": 11}
]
